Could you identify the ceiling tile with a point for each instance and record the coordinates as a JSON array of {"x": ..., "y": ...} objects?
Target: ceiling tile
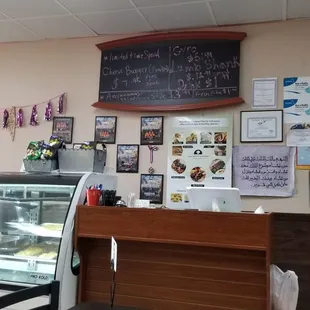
[
  {"x": 298, "y": 8},
  {"x": 91, "y": 6},
  {"x": 144, "y": 3},
  {"x": 31, "y": 8},
  {"x": 11, "y": 31},
  {"x": 57, "y": 27},
  {"x": 116, "y": 22},
  {"x": 246, "y": 11},
  {"x": 178, "y": 16}
]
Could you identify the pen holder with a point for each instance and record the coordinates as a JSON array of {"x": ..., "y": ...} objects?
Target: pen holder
[{"x": 93, "y": 197}]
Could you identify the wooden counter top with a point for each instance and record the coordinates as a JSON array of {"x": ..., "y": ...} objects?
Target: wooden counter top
[{"x": 228, "y": 230}]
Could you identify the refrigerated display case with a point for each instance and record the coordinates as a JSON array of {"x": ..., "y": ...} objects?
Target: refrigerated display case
[{"x": 36, "y": 230}]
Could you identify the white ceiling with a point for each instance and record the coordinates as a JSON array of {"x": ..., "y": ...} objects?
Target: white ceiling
[{"x": 28, "y": 20}]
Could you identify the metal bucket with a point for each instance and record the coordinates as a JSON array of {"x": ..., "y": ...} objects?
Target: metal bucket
[
  {"x": 72, "y": 160},
  {"x": 40, "y": 165}
]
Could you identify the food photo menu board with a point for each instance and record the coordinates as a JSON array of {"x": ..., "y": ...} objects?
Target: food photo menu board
[{"x": 199, "y": 155}]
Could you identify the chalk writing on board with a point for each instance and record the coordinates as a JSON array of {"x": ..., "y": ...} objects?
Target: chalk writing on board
[
  {"x": 170, "y": 71},
  {"x": 258, "y": 173}
]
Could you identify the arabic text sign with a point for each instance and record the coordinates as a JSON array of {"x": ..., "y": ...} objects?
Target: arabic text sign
[{"x": 264, "y": 170}]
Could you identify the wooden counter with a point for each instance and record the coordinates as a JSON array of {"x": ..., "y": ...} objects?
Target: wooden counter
[{"x": 180, "y": 260}]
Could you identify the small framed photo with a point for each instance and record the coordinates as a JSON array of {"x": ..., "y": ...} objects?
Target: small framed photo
[
  {"x": 63, "y": 128},
  {"x": 127, "y": 158},
  {"x": 105, "y": 129},
  {"x": 261, "y": 126},
  {"x": 152, "y": 130},
  {"x": 151, "y": 187}
]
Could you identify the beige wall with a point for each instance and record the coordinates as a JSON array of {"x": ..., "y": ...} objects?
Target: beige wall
[{"x": 34, "y": 72}]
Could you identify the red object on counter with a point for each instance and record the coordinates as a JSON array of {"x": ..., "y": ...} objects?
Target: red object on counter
[{"x": 93, "y": 197}]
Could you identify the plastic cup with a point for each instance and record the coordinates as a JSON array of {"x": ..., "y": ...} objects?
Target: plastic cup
[{"x": 93, "y": 197}]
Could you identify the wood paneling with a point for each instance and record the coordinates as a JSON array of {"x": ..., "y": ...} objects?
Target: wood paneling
[
  {"x": 209, "y": 270},
  {"x": 184, "y": 35},
  {"x": 168, "y": 108},
  {"x": 218, "y": 278},
  {"x": 291, "y": 250},
  {"x": 228, "y": 230}
]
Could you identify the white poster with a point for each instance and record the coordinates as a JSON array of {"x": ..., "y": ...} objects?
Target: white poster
[
  {"x": 265, "y": 93},
  {"x": 298, "y": 137},
  {"x": 199, "y": 155},
  {"x": 296, "y": 102},
  {"x": 264, "y": 170}
]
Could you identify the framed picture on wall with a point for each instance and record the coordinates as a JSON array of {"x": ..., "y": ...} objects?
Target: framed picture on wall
[
  {"x": 63, "y": 128},
  {"x": 261, "y": 126},
  {"x": 151, "y": 187},
  {"x": 105, "y": 129},
  {"x": 152, "y": 130},
  {"x": 127, "y": 158}
]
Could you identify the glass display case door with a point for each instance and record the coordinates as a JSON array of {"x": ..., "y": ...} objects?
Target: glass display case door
[{"x": 31, "y": 224}]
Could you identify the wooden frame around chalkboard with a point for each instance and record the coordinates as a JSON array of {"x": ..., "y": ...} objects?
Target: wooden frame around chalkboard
[{"x": 186, "y": 35}]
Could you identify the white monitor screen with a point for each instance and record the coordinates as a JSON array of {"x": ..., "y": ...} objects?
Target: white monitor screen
[{"x": 214, "y": 199}]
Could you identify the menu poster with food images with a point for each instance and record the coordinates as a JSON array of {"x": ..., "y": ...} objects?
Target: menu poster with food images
[{"x": 199, "y": 155}]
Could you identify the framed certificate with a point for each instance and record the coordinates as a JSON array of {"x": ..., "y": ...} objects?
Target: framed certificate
[{"x": 261, "y": 126}]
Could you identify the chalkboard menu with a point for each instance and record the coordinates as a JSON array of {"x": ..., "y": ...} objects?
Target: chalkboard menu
[{"x": 170, "y": 72}]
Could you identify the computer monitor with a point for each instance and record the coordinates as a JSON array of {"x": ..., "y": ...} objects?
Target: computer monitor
[{"x": 214, "y": 199}]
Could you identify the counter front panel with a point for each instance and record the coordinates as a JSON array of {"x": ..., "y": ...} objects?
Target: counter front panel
[{"x": 181, "y": 260}]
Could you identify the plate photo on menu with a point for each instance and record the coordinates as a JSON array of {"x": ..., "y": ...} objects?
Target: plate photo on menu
[
  {"x": 220, "y": 150},
  {"x": 220, "y": 138},
  {"x": 178, "y": 166},
  {"x": 177, "y": 151},
  {"x": 198, "y": 174},
  {"x": 218, "y": 166},
  {"x": 192, "y": 138},
  {"x": 176, "y": 197},
  {"x": 205, "y": 138},
  {"x": 178, "y": 138}
]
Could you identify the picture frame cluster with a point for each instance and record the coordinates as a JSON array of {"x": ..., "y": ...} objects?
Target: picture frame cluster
[{"x": 127, "y": 155}]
